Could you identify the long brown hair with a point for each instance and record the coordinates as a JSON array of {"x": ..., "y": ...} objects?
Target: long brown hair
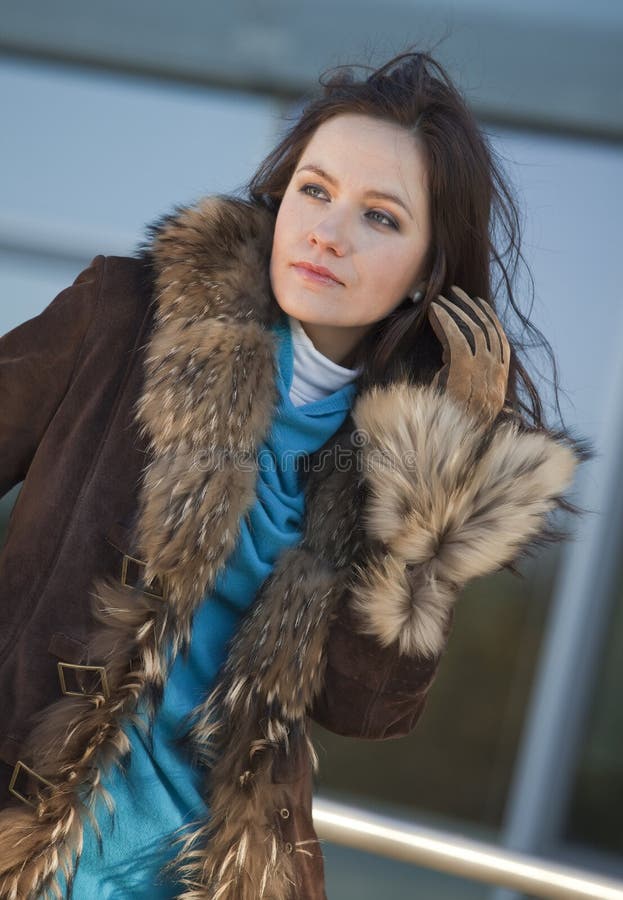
[{"x": 472, "y": 206}]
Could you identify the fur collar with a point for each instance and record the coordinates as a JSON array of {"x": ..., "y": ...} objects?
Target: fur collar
[{"x": 473, "y": 500}]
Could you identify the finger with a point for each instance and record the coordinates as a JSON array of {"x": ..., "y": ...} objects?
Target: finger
[
  {"x": 454, "y": 330},
  {"x": 437, "y": 327},
  {"x": 492, "y": 326},
  {"x": 492, "y": 323},
  {"x": 506, "y": 347},
  {"x": 466, "y": 303},
  {"x": 465, "y": 322},
  {"x": 488, "y": 311},
  {"x": 440, "y": 379}
]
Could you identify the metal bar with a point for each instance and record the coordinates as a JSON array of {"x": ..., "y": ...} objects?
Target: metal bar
[{"x": 455, "y": 855}]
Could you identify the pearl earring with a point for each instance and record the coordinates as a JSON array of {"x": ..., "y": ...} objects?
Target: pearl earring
[{"x": 416, "y": 296}]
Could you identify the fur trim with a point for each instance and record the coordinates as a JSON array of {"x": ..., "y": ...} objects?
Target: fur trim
[
  {"x": 210, "y": 371},
  {"x": 450, "y": 500},
  {"x": 75, "y": 742},
  {"x": 273, "y": 672},
  {"x": 209, "y": 394}
]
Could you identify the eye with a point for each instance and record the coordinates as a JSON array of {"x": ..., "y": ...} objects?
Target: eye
[
  {"x": 313, "y": 187},
  {"x": 383, "y": 218},
  {"x": 387, "y": 220}
]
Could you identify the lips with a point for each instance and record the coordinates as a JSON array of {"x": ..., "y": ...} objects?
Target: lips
[{"x": 317, "y": 273}]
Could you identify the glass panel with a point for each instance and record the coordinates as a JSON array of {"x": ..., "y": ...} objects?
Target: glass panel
[
  {"x": 596, "y": 808},
  {"x": 457, "y": 763}
]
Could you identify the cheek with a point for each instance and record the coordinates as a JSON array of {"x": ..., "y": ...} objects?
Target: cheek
[
  {"x": 283, "y": 228},
  {"x": 277, "y": 236},
  {"x": 278, "y": 250},
  {"x": 280, "y": 255},
  {"x": 390, "y": 270}
]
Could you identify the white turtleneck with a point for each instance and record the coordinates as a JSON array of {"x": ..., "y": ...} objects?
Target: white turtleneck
[{"x": 313, "y": 374}]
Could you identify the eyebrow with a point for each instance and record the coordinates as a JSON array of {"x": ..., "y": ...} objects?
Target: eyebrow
[{"x": 369, "y": 193}]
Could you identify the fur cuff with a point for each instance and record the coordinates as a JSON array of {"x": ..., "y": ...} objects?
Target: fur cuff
[{"x": 450, "y": 500}]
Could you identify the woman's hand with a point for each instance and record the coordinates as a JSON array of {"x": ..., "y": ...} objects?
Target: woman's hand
[{"x": 474, "y": 374}]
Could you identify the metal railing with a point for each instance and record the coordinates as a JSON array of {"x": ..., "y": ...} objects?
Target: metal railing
[{"x": 455, "y": 855}]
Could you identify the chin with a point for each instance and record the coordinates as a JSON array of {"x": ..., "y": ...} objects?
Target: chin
[{"x": 299, "y": 309}]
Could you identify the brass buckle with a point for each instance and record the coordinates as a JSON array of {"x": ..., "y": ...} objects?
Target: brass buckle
[
  {"x": 100, "y": 670},
  {"x": 19, "y": 765},
  {"x": 139, "y": 562}
]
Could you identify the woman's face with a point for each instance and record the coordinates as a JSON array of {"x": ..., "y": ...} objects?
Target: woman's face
[{"x": 338, "y": 218}]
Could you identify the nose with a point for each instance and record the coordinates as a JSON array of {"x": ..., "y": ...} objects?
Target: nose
[{"x": 329, "y": 233}]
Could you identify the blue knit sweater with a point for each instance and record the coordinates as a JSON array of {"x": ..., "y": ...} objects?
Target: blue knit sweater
[{"x": 160, "y": 791}]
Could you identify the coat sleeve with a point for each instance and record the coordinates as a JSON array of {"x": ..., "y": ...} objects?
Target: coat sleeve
[
  {"x": 372, "y": 692},
  {"x": 37, "y": 359},
  {"x": 448, "y": 500}
]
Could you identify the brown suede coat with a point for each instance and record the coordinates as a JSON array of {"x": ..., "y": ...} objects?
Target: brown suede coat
[{"x": 109, "y": 399}]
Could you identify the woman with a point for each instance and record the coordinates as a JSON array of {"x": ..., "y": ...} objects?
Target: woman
[{"x": 272, "y": 449}]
